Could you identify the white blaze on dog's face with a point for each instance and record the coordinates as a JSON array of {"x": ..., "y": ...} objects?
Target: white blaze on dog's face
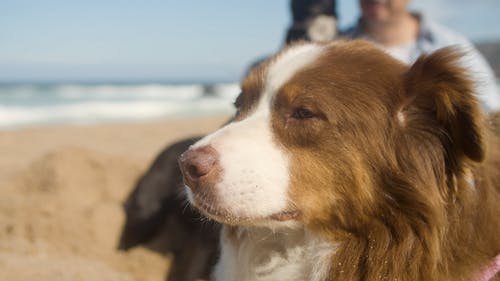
[{"x": 253, "y": 179}]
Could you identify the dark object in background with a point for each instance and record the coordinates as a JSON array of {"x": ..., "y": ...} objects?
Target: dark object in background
[
  {"x": 313, "y": 20},
  {"x": 159, "y": 218}
]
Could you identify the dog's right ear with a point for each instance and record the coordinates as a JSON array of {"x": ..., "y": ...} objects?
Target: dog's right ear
[{"x": 440, "y": 99}]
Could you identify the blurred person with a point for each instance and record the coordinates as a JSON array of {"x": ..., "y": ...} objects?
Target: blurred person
[
  {"x": 312, "y": 20},
  {"x": 406, "y": 36}
]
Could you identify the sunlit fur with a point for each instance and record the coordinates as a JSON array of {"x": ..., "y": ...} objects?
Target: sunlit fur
[
  {"x": 393, "y": 169},
  {"x": 394, "y": 195}
]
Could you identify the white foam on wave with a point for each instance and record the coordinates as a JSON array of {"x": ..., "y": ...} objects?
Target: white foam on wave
[
  {"x": 63, "y": 104},
  {"x": 152, "y": 91},
  {"x": 229, "y": 90}
]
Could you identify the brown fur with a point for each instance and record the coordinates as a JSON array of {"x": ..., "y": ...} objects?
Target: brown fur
[
  {"x": 251, "y": 90},
  {"x": 383, "y": 165},
  {"x": 495, "y": 122}
]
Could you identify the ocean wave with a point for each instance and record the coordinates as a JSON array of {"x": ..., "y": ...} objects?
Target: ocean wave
[
  {"x": 183, "y": 92},
  {"x": 228, "y": 91},
  {"x": 31, "y": 105},
  {"x": 141, "y": 91}
]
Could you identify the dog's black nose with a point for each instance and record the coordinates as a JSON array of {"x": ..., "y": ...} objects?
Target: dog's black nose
[{"x": 197, "y": 164}]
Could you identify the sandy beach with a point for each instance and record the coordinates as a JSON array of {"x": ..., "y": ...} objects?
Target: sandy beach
[{"x": 61, "y": 190}]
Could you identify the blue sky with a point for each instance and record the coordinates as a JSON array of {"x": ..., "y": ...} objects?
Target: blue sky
[{"x": 172, "y": 40}]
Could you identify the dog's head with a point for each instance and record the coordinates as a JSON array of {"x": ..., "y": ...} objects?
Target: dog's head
[{"x": 332, "y": 135}]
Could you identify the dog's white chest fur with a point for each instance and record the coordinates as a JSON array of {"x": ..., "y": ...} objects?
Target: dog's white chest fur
[{"x": 259, "y": 254}]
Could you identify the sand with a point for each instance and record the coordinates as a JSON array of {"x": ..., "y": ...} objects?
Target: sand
[{"x": 61, "y": 190}]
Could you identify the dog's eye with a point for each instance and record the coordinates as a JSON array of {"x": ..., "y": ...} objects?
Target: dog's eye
[{"x": 302, "y": 113}]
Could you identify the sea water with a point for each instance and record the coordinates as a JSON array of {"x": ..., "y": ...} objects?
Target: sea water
[
  {"x": 36, "y": 104},
  {"x": 42, "y": 104}
]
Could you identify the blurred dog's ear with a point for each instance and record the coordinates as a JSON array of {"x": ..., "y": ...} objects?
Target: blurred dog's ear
[{"x": 440, "y": 97}]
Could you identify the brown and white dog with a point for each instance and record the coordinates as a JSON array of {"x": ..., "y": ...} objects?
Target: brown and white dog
[{"x": 344, "y": 164}]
